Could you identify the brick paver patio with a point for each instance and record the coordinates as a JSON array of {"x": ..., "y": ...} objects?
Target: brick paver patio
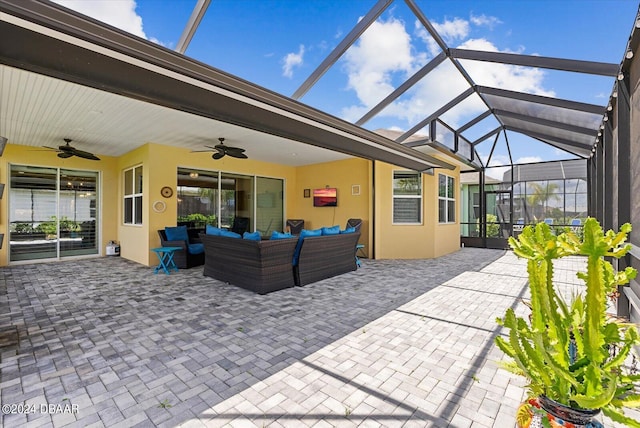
[{"x": 105, "y": 342}]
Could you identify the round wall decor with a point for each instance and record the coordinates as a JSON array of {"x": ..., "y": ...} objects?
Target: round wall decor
[
  {"x": 159, "y": 206},
  {"x": 166, "y": 191}
]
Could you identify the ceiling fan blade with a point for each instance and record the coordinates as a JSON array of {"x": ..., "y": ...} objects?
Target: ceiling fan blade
[
  {"x": 218, "y": 155},
  {"x": 65, "y": 155},
  {"x": 50, "y": 148},
  {"x": 85, "y": 155},
  {"x": 239, "y": 155},
  {"x": 235, "y": 149}
]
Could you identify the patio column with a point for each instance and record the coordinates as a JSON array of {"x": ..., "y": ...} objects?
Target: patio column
[
  {"x": 610, "y": 173},
  {"x": 624, "y": 189}
]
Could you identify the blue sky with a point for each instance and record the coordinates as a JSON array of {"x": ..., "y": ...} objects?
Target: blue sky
[{"x": 278, "y": 44}]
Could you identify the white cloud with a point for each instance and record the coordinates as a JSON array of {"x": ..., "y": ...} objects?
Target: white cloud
[
  {"x": 504, "y": 76},
  {"x": 386, "y": 51},
  {"x": 485, "y": 21},
  {"x": 292, "y": 60},
  {"x": 451, "y": 31},
  {"x": 121, "y": 14},
  {"x": 383, "y": 51}
]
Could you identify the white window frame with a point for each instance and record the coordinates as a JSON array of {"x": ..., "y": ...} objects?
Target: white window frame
[
  {"x": 449, "y": 180},
  {"x": 132, "y": 196},
  {"x": 394, "y": 197}
]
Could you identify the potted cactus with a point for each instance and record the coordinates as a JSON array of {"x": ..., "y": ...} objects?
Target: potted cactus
[{"x": 571, "y": 352}]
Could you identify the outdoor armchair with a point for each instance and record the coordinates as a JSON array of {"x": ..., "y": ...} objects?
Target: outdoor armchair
[
  {"x": 295, "y": 225},
  {"x": 192, "y": 253}
]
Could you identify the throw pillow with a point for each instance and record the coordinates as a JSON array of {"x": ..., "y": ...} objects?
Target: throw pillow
[
  {"x": 212, "y": 230},
  {"x": 303, "y": 234},
  {"x": 349, "y": 230},
  {"x": 280, "y": 235},
  {"x": 230, "y": 234},
  {"x": 178, "y": 233},
  {"x": 333, "y": 230},
  {"x": 255, "y": 236}
]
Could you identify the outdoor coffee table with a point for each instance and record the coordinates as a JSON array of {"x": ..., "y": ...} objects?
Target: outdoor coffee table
[{"x": 165, "y": 255}]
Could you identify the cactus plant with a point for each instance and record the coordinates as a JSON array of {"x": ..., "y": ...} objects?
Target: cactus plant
[{"x": 565, "y": 348}]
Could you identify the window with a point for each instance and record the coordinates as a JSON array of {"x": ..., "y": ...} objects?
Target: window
[
  {"x": 446, "y": 199},
  {"x": 407, "y": 197},
  {"x": 133, "y": 195}
]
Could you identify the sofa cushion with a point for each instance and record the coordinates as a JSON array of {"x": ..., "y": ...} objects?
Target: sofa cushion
[
  {"x": 333, "y": 230},
  {"x": 178, "y": 233},
  {"x": 196, "y": 248},
  {"x": 280, "y": 235},
  {"x": 230, "y": 234},
  {"x": 254, "y": 236},
  {"x": 304, "y": 234},
  {"x": 348, "y": 230},
  {"x": 212, "y": 230}
]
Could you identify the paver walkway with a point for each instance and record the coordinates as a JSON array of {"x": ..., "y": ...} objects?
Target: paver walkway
[{"x": 396, "y": 343}]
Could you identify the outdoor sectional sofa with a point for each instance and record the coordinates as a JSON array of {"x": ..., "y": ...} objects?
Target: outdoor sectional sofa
[
  {"x": 267, "y": 265},
  {"x": 322, "y": 257},
  {"x": 259, "y": 266}
]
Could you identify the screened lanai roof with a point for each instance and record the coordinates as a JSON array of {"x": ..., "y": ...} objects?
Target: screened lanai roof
[
  {"x": 567, "y": 125},
  {"x": 489, "y": 112},
  {"x": 463, "y": 97},
  {"x": 561, "y": 170}
]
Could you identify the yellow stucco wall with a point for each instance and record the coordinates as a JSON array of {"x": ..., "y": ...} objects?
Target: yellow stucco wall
[
  {"x": 413, "y": 241},
  {"x": 107, "y": 167},
  {"x": 160, "y": 163},
  {"x": 134, "y": 239},
  {"x": 342, "y": 175}
]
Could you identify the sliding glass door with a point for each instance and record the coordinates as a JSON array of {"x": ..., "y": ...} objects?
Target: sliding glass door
[
  {"x": 52, "y": 213},
  {"x": 269, "y": 205},
  {"x": 232, "y": 201},
  {"x": 236, "y": 201},
  {"x": 78, "y": 213}
]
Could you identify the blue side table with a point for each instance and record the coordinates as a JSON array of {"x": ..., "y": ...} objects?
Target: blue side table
[
  {"x": 358, "y": 248},
  {"x": 165, "y": 255}
]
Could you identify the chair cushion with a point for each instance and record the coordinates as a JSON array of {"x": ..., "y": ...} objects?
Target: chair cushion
[
  {"x": 303, "y": 234},
  {"x": 212, "y": 230},
  {"x": 178, "y": 233},
  {"x": 254, "y": 236},
  {"x": 196, "y": 248},
  {"x": 333, "y": 230},
  {"x": 280, "y": 235},
  {"x": 230, "y": 234},
  {"x": 349, "y": 230}
]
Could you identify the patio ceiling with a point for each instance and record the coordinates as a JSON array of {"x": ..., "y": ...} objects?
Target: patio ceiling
[{"x": 65, "y": 75}]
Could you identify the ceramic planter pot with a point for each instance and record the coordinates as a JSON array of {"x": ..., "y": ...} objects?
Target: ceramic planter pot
[{"x": 532, "y": 413}]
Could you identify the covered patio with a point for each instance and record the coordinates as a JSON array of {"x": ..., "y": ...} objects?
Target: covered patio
[{"x": 398, "y": 343}]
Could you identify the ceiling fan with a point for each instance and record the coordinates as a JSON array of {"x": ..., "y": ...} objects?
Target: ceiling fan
[
  {"x": 221, "y": 151},
  {"x": 66, "y": 151}
]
